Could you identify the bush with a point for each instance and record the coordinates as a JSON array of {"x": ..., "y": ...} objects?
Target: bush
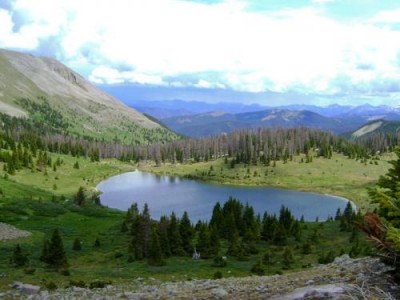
[
  {"x": 51, "y": 286},
  {"x": 77, "y": 283},
  {"x": 77, "y": 246},
  {"x": 219, "y": 261},
  {"x": 257, "y": 269},
  {"x": 218, "y": 275},
  {"x": 29, "y": 271},
  {"x": 65, "y": 272},
  {"x": 326, "y": 258},
  {"x": 99, "y": 284}
]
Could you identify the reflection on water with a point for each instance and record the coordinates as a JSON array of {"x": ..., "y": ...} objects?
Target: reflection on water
[{"x": 165, "y": 194}]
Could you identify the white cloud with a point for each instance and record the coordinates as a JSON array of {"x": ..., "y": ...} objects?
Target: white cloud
[
  {"x": 389, "y": 16},
  {"x": 180, "y": 43},
  {"x": 107, "y": 75},
  {"x": 322, "y": 1}
]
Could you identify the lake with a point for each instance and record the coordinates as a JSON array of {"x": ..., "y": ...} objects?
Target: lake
[{"x": 165, "y": 194}]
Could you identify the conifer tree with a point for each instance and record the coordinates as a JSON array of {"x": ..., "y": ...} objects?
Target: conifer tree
[
  {"x": 19, "y": 259},
  {"x": 203, "y": 242},
  {"x": 80, "y": 197},
  {"x": 186, "y": 232},
  {"x": 56, "y": 256},
  {"x": 155, "y": 254},
  {"x": 288, "y": 258},
  {"x": 175, "y": 239},
  {"x": 163, "y": 236},
  {"x": 77, "y": 246}
]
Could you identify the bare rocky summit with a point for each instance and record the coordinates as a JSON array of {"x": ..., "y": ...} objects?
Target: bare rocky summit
[{"x": 345, "y": 278}]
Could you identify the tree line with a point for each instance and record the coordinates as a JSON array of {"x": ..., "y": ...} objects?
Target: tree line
[{"x": 21, "y": 142}]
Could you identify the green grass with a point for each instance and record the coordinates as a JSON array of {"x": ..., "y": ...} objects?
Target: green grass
[
  {"x": 102, "y": 263},
  {"x": 338, "y": 176},
  {"x": 65, "y": 180}
]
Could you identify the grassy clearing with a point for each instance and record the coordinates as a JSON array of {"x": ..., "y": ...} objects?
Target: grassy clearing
[
  {"x": 339, "y": 175},
  {"x": 65, "y": 180}
]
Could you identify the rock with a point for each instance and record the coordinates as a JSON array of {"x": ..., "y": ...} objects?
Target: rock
[
  {"x": 344, "y": 259},
  {"x": 328, "y": 291},
  {"x": 27, "y": 289},
  {"x": 219, "y": 292},
  {"x": 135, "y": 296},
  {"x": 310, "y": 282}
]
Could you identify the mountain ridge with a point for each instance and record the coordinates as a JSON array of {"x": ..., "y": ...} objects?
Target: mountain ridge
[
  {"x": 212, "y": 123},
  {"x": 90, "y": 111}
]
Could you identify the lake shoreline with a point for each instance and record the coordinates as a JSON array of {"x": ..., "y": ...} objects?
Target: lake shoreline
[{"x": 158, "y": 190}]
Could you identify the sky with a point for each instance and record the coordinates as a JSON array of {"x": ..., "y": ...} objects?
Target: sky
[{"x": 301, "y": 51}]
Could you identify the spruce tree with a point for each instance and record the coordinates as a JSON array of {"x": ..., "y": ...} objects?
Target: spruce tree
[
  {"x": 19, "y": 259},
  {"x": 80, "y": 197},
  {"x": 155, "y": 254},
  {"x": 56, "y": 256},
  {"x": 203, "y": 242},
  {"x": 186, "y": 231},
  {"x": 77, "y": 246},
  {"x": 288, "y": 258},
  {"x": 175, "y": 239}
]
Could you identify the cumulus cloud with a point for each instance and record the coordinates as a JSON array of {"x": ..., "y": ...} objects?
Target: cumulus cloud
[{"x": 224, "y": 45}]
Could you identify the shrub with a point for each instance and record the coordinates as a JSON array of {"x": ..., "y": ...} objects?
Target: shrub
[
  {"x": 257, "y": 269},
  {"x": 51, "y": 286},
  {"x": 77, "y": 283},
  {"x": 29, "y": 271},
  {"x": 219, "y": 261},
  {"x": 99, "y": 284},
  {"x": 218, "y": 275}
]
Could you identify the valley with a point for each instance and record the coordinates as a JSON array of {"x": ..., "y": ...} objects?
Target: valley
[{"x": 60, "y": 136}]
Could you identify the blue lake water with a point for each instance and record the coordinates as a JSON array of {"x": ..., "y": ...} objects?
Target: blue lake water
[{"x": 165, "y": 194}]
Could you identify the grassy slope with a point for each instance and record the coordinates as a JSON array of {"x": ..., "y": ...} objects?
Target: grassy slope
[{"x": 337, "y": 176}]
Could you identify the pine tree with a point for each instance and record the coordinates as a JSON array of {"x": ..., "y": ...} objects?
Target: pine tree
[
  {"x": 163, "y": 236},
  {"x": 45, "y": 251},
  {"x": 203, "y": 242},
  {"x": 214, "y": 241},
  {"x": 288, "y": 258},
  {"x": 77, "y": 246},
  {"x": 175, "y": 239},
  {"x": 19, "y": 259},
  {"x": 80, "y": 197},
  {"x": 56, "y": 256},
  {"x": 186, "y": 232},
  {"x": 97, "y": 243},
  {"x": 155, "y": 254}
]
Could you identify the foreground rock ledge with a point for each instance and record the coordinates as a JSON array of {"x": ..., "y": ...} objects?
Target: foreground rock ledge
[{"x": 343, "y": 279}]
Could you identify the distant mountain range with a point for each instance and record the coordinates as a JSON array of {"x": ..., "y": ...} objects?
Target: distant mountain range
[
  {"x": 41, "y": 88},
  {"x": 198, "y": 119},
  {"x": 175, "y": 108}
]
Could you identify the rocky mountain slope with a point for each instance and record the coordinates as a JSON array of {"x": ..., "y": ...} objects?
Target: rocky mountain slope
[
  {"x": 378, "y": 126},
  {"x": 29, "y": 83}
]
